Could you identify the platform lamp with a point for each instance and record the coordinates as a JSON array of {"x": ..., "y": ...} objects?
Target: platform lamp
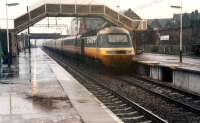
[
  {"x": 7, "y": 30},
  {"x": 181, "y": 30}
]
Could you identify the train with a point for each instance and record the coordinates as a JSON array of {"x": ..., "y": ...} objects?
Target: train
[{"x": 112, "y": 46}]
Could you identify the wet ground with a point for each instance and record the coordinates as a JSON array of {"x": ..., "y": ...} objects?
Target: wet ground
[
  {"x": 170, "y": 60},
  {"x": 30, "y": 93}
]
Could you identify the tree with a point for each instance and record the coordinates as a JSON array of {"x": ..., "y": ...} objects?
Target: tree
[{"x": 195, "y": 19}]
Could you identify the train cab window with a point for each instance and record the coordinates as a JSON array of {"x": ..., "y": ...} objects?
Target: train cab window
[
  {"x": 115, "y": 40},
  {"x": 118, "y": 39},
  {"x": 98, "y": 41}
]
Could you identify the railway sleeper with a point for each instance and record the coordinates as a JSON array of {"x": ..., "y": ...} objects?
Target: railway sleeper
[
  {"x": 110, "y": 97},
  {"x": 173, "y": 94},
  {"x": 188, "y": 98},
  {"x": 113, "y": 106},
  {"x": 147, "y": 121},
  {"x": 91, "y": 86},
  {"x": 118, "y": 107},
  {"x": 127, "y": 113},
  {"x": 122, "y": 109},
  {"x": 112, "y": 103},
  {"x": 102, "y": 92},
  {"x": 102, "y": 95},
  {"x": 103, "y": 99},
  {"x": 113, "y": 98},
  {"x": 134, "y": 118},
  {"x": 100, "y": 89},
  {"x": 197, "y": 101},
  {"x": 120, "y": 112}
]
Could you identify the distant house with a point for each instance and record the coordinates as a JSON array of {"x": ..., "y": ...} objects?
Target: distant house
[
  {"x": 189, "y": 20},
  {"x": 157, "y": 24},
  {"x": 186, "y": 19}
]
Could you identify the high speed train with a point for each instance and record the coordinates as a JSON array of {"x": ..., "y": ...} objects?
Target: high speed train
[{"x": 112, "y": 46}]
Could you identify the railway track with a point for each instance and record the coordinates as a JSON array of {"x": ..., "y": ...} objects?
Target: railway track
[
  {"x": 169, "y": 103},
  {"x": 127, "y": 110},
  {"x": 188, "y": 100}
]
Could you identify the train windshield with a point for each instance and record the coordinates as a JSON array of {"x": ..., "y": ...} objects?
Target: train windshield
[{"x": 115, "y": 40}]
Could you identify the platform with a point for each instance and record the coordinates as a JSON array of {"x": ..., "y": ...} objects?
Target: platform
[
  {"x": 167, "y": 68},
  {"x": 36, "y": 89},
  {"x": 189, "y": 63}
]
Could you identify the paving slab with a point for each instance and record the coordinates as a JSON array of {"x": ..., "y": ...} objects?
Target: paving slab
[{"x": 31, "y": 93}]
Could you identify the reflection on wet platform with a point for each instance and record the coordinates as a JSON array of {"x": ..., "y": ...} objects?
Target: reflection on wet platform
[{"x": 30, "y": 92}]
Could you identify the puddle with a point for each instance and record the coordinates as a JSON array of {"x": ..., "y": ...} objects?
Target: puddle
[
  {"x": 83, "y": 101},
  {"x": 47, "y": 102},
  {"x": 7, "y": 72},
  {"x": 6, "y": 82},
  {"x": 171, "y": 59}
]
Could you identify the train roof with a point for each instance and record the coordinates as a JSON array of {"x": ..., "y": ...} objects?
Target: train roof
[
  {"x": 70, "y": 37},
  {"x": 106, "y": 30},
  {"x": 113, "y": 29}
]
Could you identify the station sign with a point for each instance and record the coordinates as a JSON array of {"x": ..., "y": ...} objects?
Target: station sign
[{"x": 164, "y": 37}]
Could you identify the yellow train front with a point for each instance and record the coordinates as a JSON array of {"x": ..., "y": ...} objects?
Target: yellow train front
[{"x": 112, "y": 46}]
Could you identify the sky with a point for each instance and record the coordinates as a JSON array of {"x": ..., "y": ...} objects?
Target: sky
[{"x": 147, "y": 9}]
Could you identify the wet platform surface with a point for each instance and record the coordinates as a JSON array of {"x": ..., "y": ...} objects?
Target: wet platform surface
[
  {"x": 30, "y": 93},
  {"x": 35, "y": 89},
  {"x": 192, "y": 64}
]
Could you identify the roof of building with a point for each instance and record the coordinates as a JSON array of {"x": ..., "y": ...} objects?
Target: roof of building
[{"x": 130, "y": 13}]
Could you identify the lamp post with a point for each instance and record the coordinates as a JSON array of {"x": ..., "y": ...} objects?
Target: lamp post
[
  {"x": 181, "y": 31},
  {"x": 29, "y": 42},
  {"x": 7, "y": 30}
]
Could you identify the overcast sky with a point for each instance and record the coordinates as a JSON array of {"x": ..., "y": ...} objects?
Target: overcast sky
[{"x": 147, "y": 9}]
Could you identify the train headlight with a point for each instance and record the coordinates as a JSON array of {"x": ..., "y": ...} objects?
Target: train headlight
[
  {"x": 129, "y": 52},
  {"x": 119, "y": 52},
  {"x": 111, "y": 52}
]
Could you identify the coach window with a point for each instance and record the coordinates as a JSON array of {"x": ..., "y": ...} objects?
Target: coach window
[
  {"x": 98, "y": 41},
  {"x": 102, "y": 41},
  {"x": 79, "y": 42}
]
